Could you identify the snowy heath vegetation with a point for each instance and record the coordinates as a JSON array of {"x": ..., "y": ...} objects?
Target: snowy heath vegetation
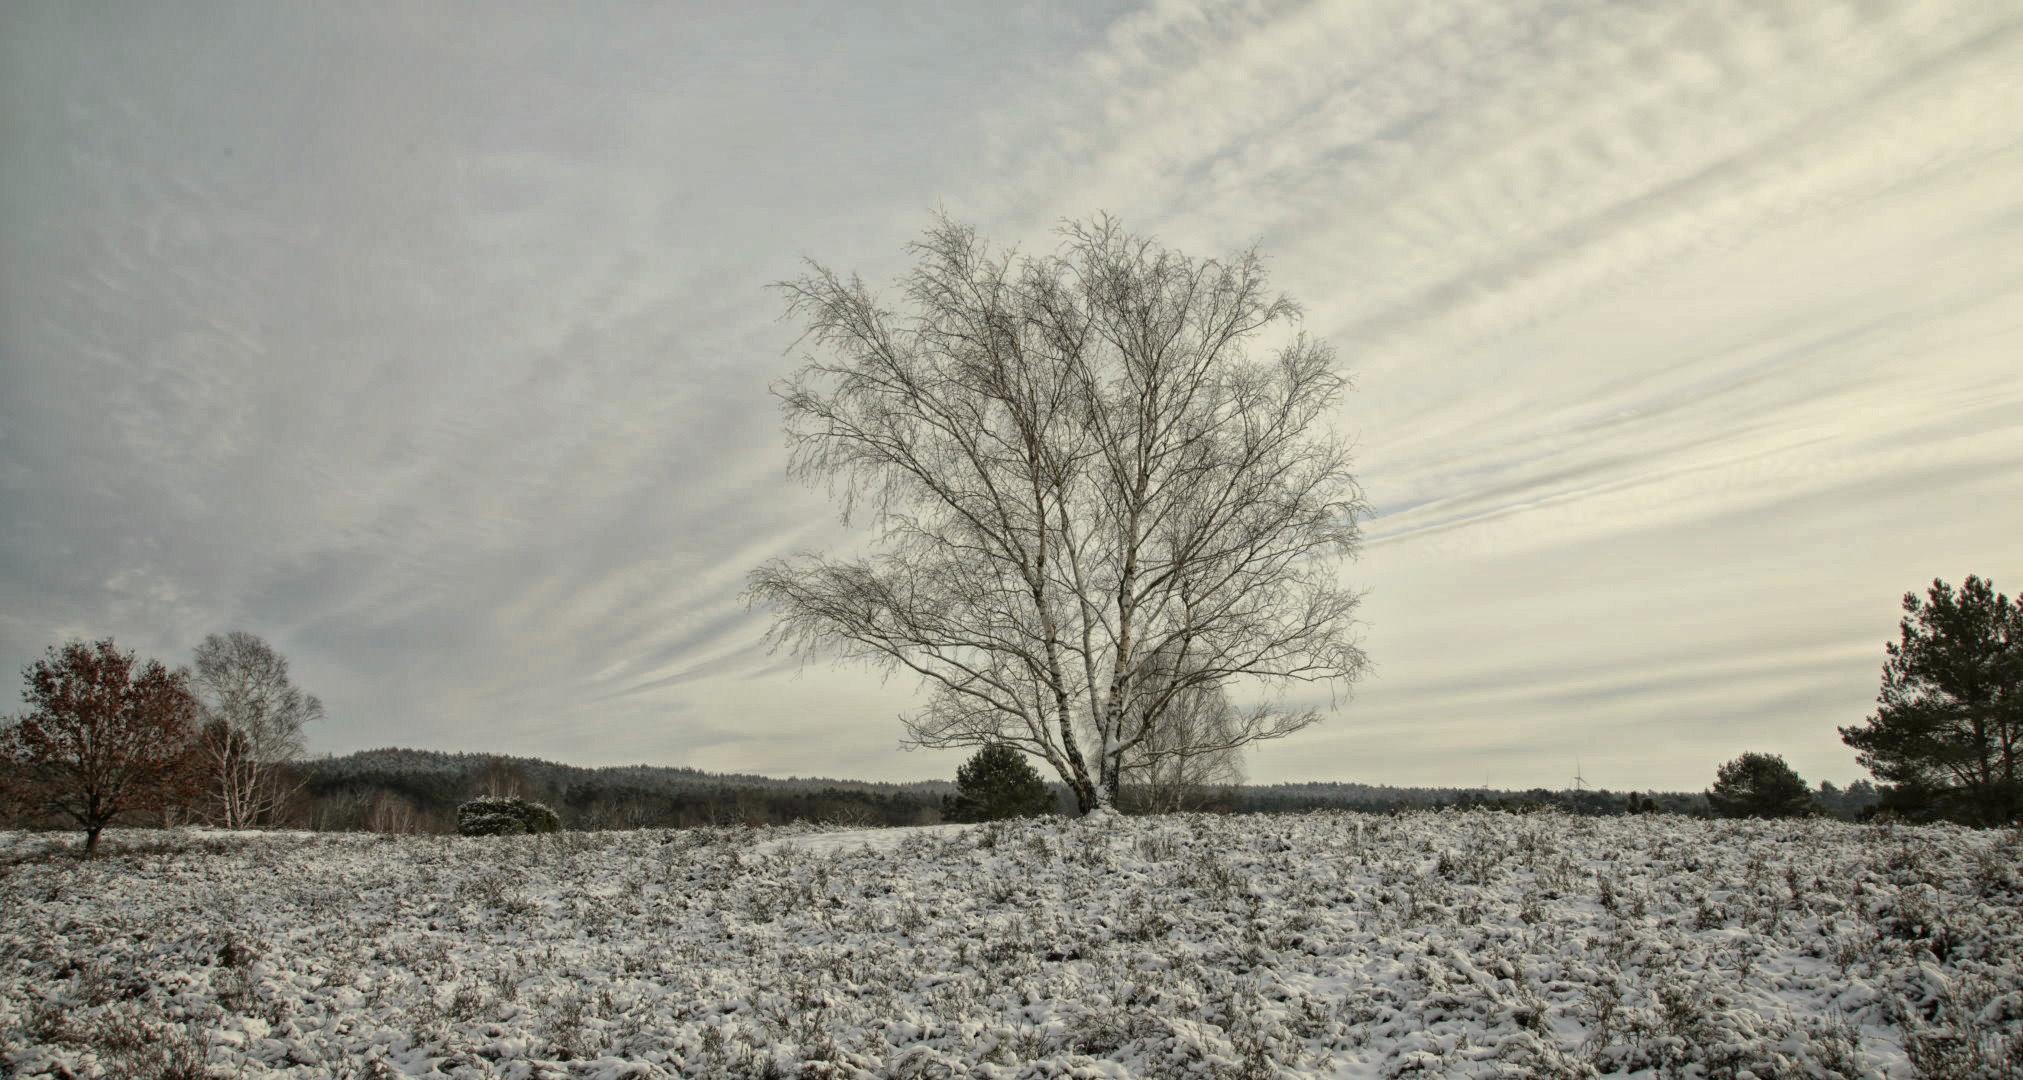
[{"x": 1456, "y": 944}]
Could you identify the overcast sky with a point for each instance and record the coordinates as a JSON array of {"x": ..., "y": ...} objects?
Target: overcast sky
[{"x": 431, "y": 342}]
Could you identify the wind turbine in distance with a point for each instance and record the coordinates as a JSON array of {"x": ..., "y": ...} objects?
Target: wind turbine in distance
[{"x": 1578, "y": 779}]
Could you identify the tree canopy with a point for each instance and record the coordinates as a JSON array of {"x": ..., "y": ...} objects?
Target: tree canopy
[
  {"x": 253, "y": 717},
  {"x": 1090, "y": 499},
  {"x": 105, "y": 735},
  {"x": 1948, "y": 729}
]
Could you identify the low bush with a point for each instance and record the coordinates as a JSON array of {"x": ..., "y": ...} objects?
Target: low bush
[{"x": 494, "y": 815}]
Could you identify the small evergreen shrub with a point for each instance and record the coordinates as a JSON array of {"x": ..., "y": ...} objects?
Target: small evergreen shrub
[
  {"x": 539, "y": 817},
  {"x": 997, "y": 783},
  {"x": 489, "y": 816},
  {"x": 494, "y": 815},
  {"x": 1759, "y": 786}
]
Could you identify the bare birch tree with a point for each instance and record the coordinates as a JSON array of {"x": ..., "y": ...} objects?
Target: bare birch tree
[
  {"x": 253, "y": 718},
  {"x": 1074, "y": 466}
]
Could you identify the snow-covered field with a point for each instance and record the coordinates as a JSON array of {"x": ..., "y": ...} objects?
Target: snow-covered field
[{"x": 1432, "y": 945}]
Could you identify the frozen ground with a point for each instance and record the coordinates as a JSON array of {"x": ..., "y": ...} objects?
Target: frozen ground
[
  {"x": 847, "y": 840},
  {"x": 1435, "y": 945}
]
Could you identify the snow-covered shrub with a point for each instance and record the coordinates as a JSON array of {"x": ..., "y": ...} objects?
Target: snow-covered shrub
[
  {"x": 539, "y": 817},
  {"x": 479, "y": 818},
  {"x": 494, "y": 815}
]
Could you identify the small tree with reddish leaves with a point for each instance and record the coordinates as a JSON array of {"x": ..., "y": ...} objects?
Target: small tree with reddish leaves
[{"x": 106, "y": 736}]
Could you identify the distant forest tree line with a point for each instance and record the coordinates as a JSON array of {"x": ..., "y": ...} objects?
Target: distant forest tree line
[
  {"x": 395, "y": 790},
  {"x": 418, "y": 791}
]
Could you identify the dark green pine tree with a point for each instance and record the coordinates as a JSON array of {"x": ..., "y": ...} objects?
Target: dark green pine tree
[
  {"x": 997, "y": 782},
  {"x": 1948, "y": 730},
  {"x": 1759, "y": 786}
]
